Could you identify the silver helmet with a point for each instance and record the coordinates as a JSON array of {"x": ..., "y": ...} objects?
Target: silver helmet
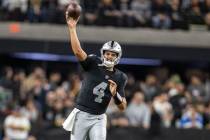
[{"x": 112, "y": 46}]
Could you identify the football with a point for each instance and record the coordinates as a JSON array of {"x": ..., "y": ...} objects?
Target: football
[{"x": 74, "y": 9}]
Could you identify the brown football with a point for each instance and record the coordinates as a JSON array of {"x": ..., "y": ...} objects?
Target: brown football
[{"x": 74, "y": 9}]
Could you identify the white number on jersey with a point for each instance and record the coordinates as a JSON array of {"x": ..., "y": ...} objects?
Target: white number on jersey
[{"x": 99, "y": 90}]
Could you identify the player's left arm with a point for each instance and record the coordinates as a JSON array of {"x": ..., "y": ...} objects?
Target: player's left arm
[{"x": 119, "y": 95}]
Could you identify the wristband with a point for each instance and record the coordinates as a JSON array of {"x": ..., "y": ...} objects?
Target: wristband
[{"x": 117, "y": 98}]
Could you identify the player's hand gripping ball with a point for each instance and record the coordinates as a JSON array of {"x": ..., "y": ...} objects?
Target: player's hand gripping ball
[{"x": 73, "y": 10}]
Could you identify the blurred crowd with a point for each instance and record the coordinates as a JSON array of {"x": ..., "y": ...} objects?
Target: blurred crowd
[
  {"x": 36, "y": 101},
  {"x": 159, "y": 14}
]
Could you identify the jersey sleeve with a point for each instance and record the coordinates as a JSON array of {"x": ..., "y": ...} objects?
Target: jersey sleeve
[
  {"x": 89, "y": 62},
  {"x": 123, "y": 83}
]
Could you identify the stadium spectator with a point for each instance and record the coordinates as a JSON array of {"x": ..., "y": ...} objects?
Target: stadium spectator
[
  {"x": 130, "y": 87},
  {"x": 196, "y": 89},
  {"x": 48, "y": 109},
  {"x": 108, "y": 13},
  {"x": 138, "y": 112},
  {"x": 18, "y": 79},
  {"x": 200, "y": 108},
  {"x": 59, "y": 114},
  {"x": 141, "y": 12},
  {"x": 54, "y": 80},
  {"x": 33, "y": 84},
  {"x": 55, "y": 109},
  {"x": 164, "y": 108},
  {"x": 124, "y": 6},
  {"x": 177, "y": 16},
  {"x": 90, "y": 11},
  {"x": 17, "y": 126},
  {"x": 191, "y": 118},
  {"x": 49, "y": 8},
  {"x": 6, "y": 80},
  {"x": 68, "y": 105},
  {"x": 34, "y": 12},
  {"x": 75, "y": 85},
  {"x": 178, "y": 100},
  {"x": 150, "y": 87},
  {"x": 30, "y": 111},
  {"x": 195, "y": 14},
  {"x": 5, "y": 99},
  {"x": 161, "y": 13},
  {"x": 24, "y": 8}
]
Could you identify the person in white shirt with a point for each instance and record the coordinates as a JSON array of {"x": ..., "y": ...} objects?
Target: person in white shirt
[
  {"x": 16, "y": 126},
  {"x": 164, "y": 108}
]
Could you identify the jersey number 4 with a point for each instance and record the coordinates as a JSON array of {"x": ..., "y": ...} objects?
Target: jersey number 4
[{"x": 99, "y": 91}]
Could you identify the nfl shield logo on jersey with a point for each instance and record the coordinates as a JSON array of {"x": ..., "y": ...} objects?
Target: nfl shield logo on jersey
[{"x": 107, "y": 77}]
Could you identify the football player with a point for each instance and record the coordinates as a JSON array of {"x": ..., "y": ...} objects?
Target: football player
[{"x": 102, "y": 82}]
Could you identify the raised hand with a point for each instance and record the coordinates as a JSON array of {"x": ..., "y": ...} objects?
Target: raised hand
[{"x": 72, "y": 23}]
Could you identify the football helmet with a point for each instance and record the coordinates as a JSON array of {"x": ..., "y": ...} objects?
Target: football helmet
[{"x": 112, "y": 46}]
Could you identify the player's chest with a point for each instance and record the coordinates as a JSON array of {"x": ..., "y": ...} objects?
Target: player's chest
[{"x": 101, "y": 74}]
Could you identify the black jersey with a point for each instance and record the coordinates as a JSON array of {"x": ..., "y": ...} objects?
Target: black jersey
[{"x": 95, "y": 95}]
